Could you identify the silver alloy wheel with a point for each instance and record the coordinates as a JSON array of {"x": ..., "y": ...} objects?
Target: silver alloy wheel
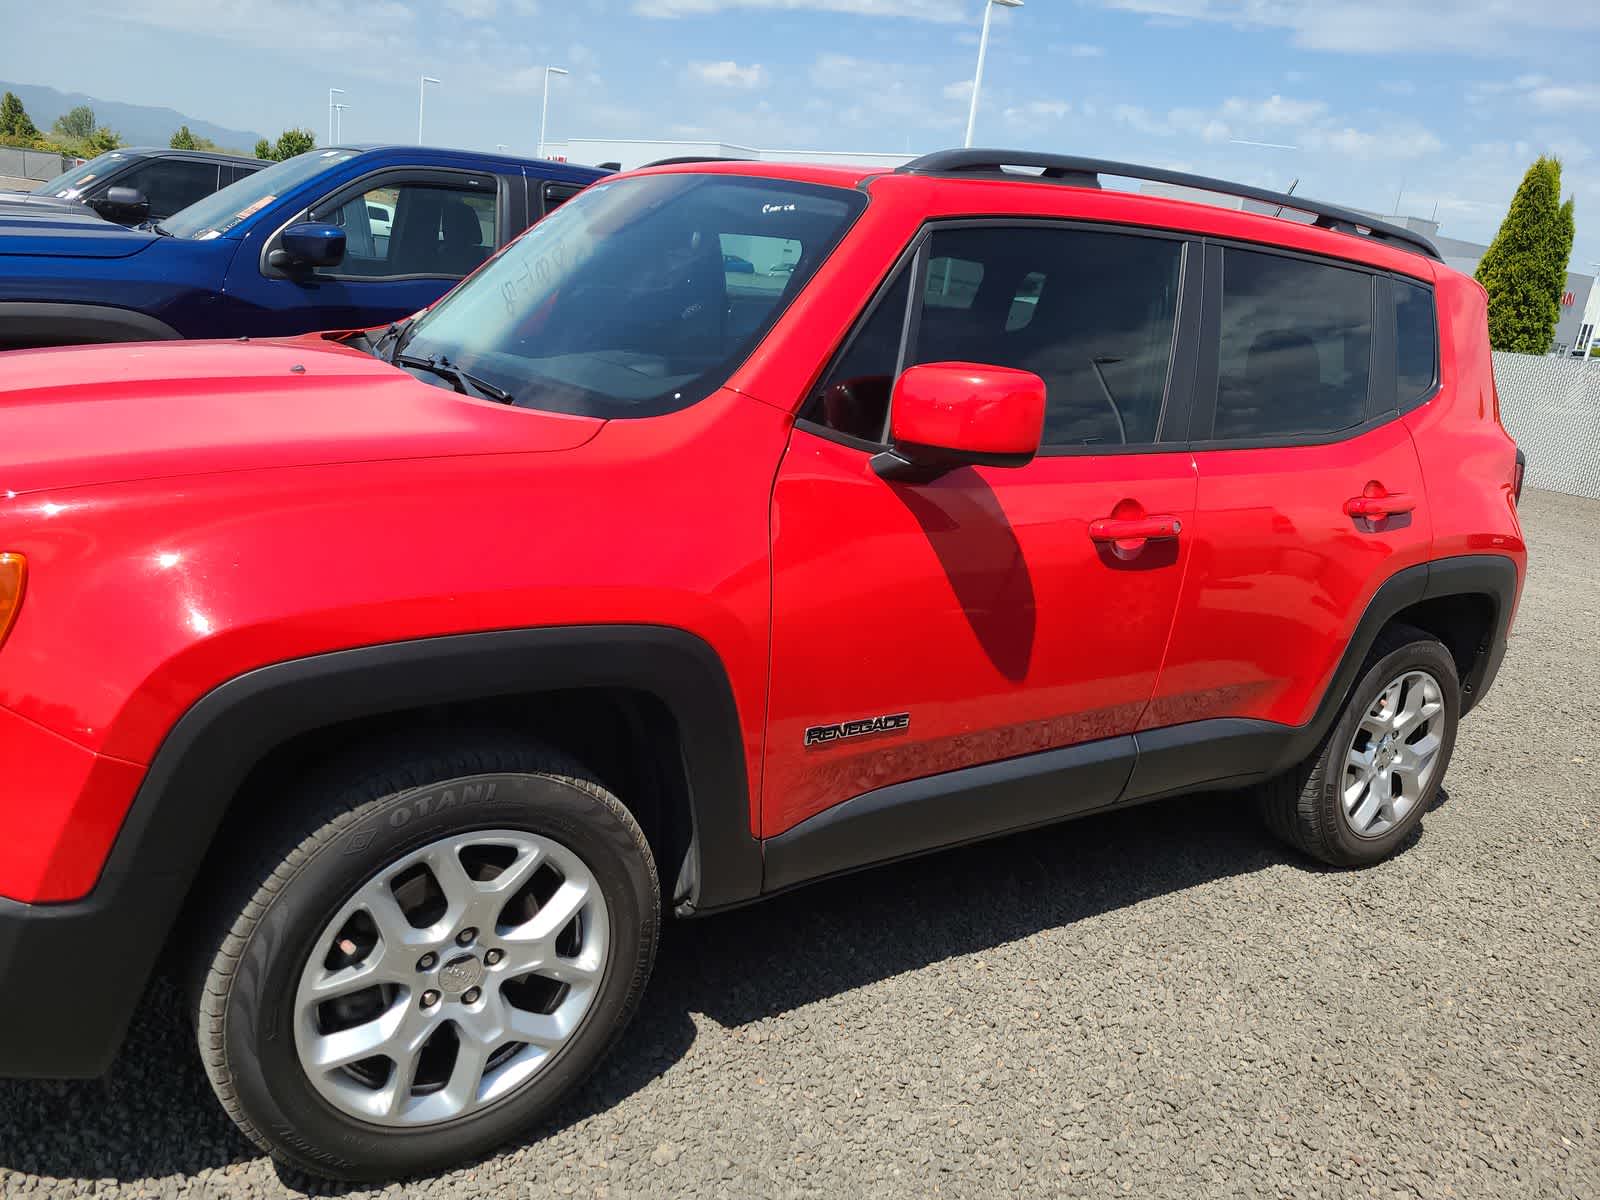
[
  {"x": 451, "y": 977},
  {"x": 1393, "y": 754}
]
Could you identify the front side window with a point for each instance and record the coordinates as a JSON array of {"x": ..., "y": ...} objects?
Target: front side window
[
  {"x": 1296, "y": 347},
  {"x": 1091, "y": 313},
  {"x": 71, "y": 184},
  {"x": 626, "y": 302},
  {"x": 1416, "y": 342},
  {"x": 171, "y": 184},
  {"x": 399, "y": 229}
]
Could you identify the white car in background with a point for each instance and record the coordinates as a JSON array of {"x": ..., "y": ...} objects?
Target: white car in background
[{"x": 380, "y": 217}]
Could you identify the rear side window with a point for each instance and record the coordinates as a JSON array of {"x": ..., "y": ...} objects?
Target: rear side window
[
  {"x": 1296, "y": 347},
  {"x": 557, "y": 194},
  {"x": 1416, "y": 343}
]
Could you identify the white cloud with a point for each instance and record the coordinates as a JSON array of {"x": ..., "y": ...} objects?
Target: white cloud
[
  {"x": 727, "y": 74},
  {"x": 1398, "y": 141},
  {"x": 1274, "y": 110},
  {"x": 1308, "y": 123},
  {"x": 960, "y": 90},
  {"x": 1036, "y": 113},
  {"x": 473, "y": 10},
  {"x": 1084, "y": 50},
  {"x": 918, "y": 10},
  {"x": 1551, "y": 97},
  {"x": 875, "y": 92},
  {"x": 1389, "y": 26},
  {"x": 1034, "y": 109}
]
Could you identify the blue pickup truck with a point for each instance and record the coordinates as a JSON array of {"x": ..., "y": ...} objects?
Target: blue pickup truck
[{"x": 341, "y": 238}]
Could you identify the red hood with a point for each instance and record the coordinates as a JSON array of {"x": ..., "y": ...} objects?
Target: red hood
[{"x": 78, "y": 416}]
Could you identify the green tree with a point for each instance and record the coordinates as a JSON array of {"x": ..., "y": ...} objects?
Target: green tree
[
  {"x": 14, "y": 119},
  {"x": 78, "y": 123},
  {"x": 101, "y": 140},
  {"x": 290, "y": 142},
  {"x": 184, "y": 140},
  {"x": 1525, "y": 268}
]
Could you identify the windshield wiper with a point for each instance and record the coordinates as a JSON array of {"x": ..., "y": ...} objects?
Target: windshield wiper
[
  {"x": 467, "y": 385},
  {"x": 389, "y": 335}
]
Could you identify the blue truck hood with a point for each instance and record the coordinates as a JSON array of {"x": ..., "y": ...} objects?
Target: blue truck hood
[{"x": 51, "y": 233}]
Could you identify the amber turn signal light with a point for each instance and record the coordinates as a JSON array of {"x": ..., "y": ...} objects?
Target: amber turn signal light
[{"x": 13, "y": 575}]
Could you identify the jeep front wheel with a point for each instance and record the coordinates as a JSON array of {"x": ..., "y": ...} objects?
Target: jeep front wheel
[{"x": 426, "y": 969}]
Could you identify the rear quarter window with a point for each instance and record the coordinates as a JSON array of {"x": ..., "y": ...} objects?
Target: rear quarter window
[{"x": 1416, "y": 343}]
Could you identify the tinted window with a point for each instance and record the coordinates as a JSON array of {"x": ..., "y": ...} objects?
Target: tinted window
[
  {"x": 557, "y": 194},
  {"x": 854, "y": 397},
  {"x": 952, "y": 282},
  {"x": 84, "y": 174},
  {"x": 1090, "y": 313},
  {"x": 619, "y": 303},
  {"x": 1296, "y": 347},
  {"x": 413, "y": 229},
  {"x": 221, "y": 211},
  {"x": 171, "y": 184},
  {"x": 234, "y": 174},
  {"x": 1416, "y": 342}
]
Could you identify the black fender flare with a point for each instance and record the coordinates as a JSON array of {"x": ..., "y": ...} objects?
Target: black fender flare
[
  {"x": 1235, "y": 751},
  {"x": 38, "y": 323},
  {"x": 170, "y": 827}
]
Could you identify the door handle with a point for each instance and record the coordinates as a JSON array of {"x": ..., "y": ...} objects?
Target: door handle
[
  {"x": 1390, "y": 505},
  {"x": 1135, "y": 529}
]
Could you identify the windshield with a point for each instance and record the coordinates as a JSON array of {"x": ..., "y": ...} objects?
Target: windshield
[
  {"x": 222, "y": 210},
  {"x": 638, "y": 296},
  {"x": 81, "y": 176}
]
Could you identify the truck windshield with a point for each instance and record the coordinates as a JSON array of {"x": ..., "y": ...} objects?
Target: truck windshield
[
  {"x": 639, "y": 296},
  {"x": 222, "y": 210},
  {"x": 71, "y": 183}
]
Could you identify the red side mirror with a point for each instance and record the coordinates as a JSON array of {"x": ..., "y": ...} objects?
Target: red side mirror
[{"x": 951, "y": 414}]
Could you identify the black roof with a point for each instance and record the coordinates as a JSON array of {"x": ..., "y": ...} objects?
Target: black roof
[{"x": 217, "y": 156}]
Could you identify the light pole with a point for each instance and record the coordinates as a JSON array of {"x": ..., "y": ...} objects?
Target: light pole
[
  {"x": 331, "y": 93},
  {"x": 983, "y": 49},
  {"x": 544, "y": 107},
  {"x": 338, "y": 123},
  {"x": 422, "y": 94}
]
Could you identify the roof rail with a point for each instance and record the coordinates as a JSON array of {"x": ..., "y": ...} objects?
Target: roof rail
[
  {"x": 1085, "y": 172},
  {"x": 692, "y": 158}
]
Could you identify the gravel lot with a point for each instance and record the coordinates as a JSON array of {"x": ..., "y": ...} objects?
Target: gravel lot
[{"x": 1156, "y": 1002}]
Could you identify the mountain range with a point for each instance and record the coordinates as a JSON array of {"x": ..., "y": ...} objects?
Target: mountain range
[{"x": 139, "y": 124}]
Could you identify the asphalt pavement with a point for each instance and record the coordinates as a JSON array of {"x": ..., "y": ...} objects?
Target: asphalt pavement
[{"x": 1160, "y": 1002}]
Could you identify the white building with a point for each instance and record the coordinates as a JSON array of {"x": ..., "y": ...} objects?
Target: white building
[{"x": 628, "y": 153}]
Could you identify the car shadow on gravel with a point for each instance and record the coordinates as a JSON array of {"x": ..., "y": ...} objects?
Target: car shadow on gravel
[{"x": 154, "y": 1115}]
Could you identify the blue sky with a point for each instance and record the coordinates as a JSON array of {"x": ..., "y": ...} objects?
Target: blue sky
[{"x": 1446, "y": 101}]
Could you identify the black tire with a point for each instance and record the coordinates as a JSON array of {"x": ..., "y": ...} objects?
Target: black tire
[
  {"x": 338, "y": 831},
  {"x": 1303, "y": 806}
]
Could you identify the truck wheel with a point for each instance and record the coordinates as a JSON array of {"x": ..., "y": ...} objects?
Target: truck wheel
[
  {"x": 433, "y": 949},
  {"x": 1359, "y": 797}
]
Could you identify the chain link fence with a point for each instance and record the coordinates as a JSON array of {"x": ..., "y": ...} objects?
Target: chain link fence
[{"x": 1552, "y": 407}]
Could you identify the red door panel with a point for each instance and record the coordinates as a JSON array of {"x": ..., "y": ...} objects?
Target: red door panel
[
  {"x": 1282, "y": 570},
  {"x": 978, "y": 604}
]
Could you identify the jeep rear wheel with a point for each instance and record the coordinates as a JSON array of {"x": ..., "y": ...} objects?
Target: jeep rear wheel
[
  {"x": 1362, "y": 794},
  {"x": 415, "y": 973}
]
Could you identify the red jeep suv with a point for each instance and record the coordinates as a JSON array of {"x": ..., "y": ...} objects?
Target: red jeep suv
[{"x": 392, "y": 683}]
